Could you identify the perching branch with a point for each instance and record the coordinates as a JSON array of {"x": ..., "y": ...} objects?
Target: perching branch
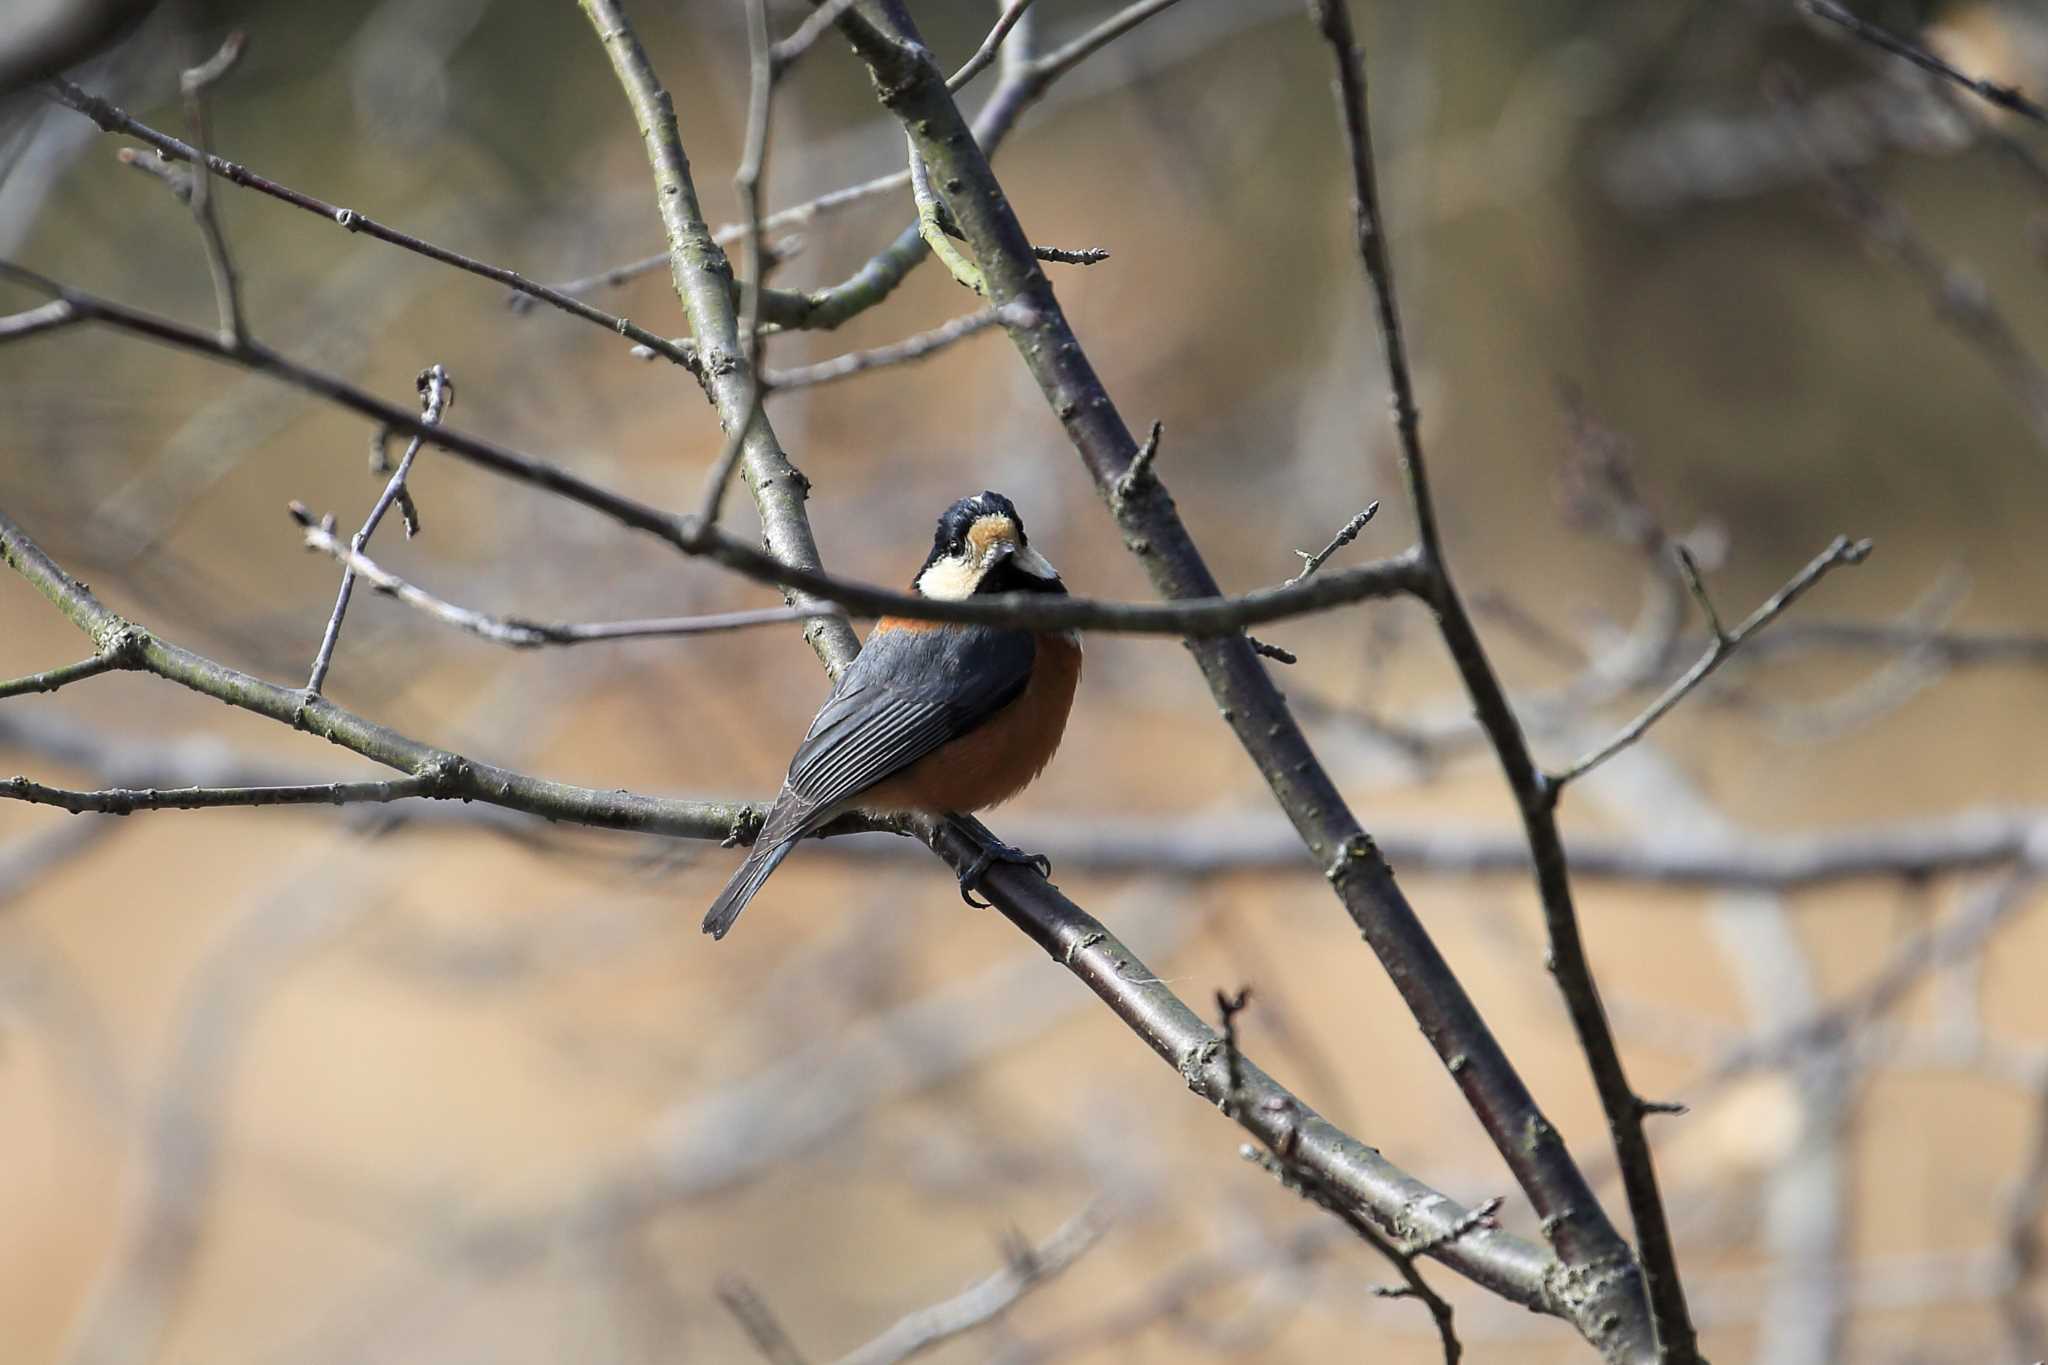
[
  {"x": 1607, "y": 1304},
  {"x": 443, "y": 773}
]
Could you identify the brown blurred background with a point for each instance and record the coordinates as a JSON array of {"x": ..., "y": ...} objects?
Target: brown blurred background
[{"x": 316, "y": 1086}]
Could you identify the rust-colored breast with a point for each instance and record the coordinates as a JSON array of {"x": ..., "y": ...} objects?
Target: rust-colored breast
[{"x": 998, "y": 758}]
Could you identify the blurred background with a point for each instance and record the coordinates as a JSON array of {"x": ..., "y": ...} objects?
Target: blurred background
[{"x": 419, "y": 1084}]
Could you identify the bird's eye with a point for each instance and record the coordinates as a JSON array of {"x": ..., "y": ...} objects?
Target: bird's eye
[{"x": 956, "y": 547}]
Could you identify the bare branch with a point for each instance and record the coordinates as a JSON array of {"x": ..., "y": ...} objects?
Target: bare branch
[
  {"x": 2004, "y": 96},
  {"x": 980, "y": 1304},
  {"x": 127, "y": 801},
  {"x": 437, "y": 393},
  {"x": 1672, "y": 1334},
  {"x": 1024, "y": 82},
  {"x": 113, "y": 119},
  {"x": 51, "y": 679},
  {"x": 1605, "y": 1284},
  {"x": 194, "y": 84},
  {"x": 896, "y": 353},
  {"x": 525, "y": 634},
  {"x": 986, "y": 53},
  {"x": 1062, "y": 59},
  {"x": 764, "y": 65},
  {"x": 48, "y": 318},
  {"x": 1842, "y": 551},
  {"x": 703, "y": 279},
  {"x": 1311, "y": 562}
]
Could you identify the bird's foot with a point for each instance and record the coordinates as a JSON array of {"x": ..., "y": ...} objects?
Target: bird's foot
[{"x": 992, "y": 853}]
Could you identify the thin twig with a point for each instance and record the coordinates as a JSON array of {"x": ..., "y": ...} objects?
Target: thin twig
[
  {"x": 124, "y": 801},
  {"x": 764, "y": 67},
  {"x": 47, "y": 318},
  {"x": 986, "y": 53},
  {"x": 51, "y": 679},
  {"x": 1138, "y": 475},
  {"x": 525, "y": 634},
  {"x": 113, "y": 119},
  {"x": 758, "y": 1321},
  {"x": 2004, "y": 96},
  {"x": 1062, "y": 59},
  {"x": 437, "y": 392},
  {"x": 1724, "y": 643},
  {"x": 933, "y": 224},
  {"x": 794, "y": 216},
  {"x": 194, "y": 84},
  {"x": 702, "y": 278},
  {"x": 816, "y": 25},
  {"x": 1311, "y": 562},
  {"x": 897, "y": 353}
]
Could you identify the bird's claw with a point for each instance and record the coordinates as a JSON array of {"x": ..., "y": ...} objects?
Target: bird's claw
[{"x": 990, "y": 855}]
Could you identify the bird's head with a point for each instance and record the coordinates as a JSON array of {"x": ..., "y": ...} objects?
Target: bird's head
[{"x": 980, "y": 547}]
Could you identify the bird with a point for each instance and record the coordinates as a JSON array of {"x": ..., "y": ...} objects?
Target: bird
[{"x": 936, "y": 718}]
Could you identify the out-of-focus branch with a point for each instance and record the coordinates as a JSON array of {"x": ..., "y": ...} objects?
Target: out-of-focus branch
[
  {"x": 1722, "y": 644},
  {"x": 1604, "y": 1298},
  {"x": 1960, "y": 298},
  {"x": 1026, "y": 1268},
  {"x": 47, "y": 318},
  {"x": 769, "y": 1337},
  {"x": 765, "y": 66}
]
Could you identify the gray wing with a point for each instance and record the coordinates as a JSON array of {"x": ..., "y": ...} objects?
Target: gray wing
[{"x": 907, "y": 693}]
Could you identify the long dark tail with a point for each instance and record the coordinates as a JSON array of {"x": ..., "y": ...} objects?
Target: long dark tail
[{"x": 764, "y": 859}]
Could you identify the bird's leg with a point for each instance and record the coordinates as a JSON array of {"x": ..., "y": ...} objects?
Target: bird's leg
[{"x": 993, "y": 851}]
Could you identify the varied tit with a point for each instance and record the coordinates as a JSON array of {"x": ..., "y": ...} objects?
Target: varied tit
[{"x": 934, "y": 718}]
